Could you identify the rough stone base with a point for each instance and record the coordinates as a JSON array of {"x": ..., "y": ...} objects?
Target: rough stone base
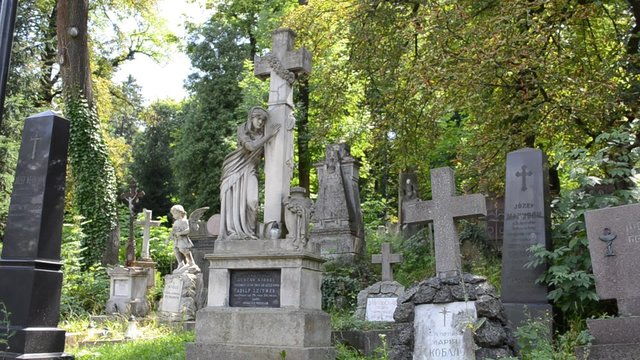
[
  {"x": 609, "y": 352},
  {"x": 338, "y": 245},
  {"x": 244, "y": 352},
  {"x": 623, "y": 330},
  {"x": 192, "y": 290},
  {"x": 518, "y": 313}
]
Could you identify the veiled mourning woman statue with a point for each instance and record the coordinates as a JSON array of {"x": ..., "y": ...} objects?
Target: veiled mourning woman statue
[{"x": 239, "y": 185}]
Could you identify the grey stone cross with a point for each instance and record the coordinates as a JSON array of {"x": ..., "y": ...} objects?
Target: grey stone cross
[
  {"x": 442, "y": 210},
  {"x": 147, "y": 223},
  {"x": 524, "y": 173},
  {"x": 282, "y": 65},
  {"x": 386, "y": 259}
]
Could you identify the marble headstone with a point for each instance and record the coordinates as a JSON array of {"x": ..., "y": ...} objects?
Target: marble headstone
[
  {"x": 527, "y": 222},
  {"x": 443, "y": 331}
]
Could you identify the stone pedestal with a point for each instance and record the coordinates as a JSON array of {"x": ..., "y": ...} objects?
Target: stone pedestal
[
  {"x": 150, "y": 265},
  {"x": 338, "y": 244},
  {"x": 617, "y": 338},
  {"x": 264, "y": 300},
  {"x": 180, "y": 297},
  {"x": 128, "y": 291},
  {"x": 203, "y": 245}
]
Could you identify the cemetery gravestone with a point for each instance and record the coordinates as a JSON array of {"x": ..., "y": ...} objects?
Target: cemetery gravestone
[
  {"x": 337, "y": 219},
  {"x": 407, "y": 192},
  {"x": 495, "y": 222},
  {"x": 614, "y": 235},
  {"x": 145, "y": 257},
  {"x": 435, "y": 317},
  {"x": 527, "y": 222},
  {"x": 378, "y": 301},
  {"x": 30, "y": 276}
]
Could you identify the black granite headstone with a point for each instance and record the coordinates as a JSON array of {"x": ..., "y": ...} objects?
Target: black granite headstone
[
  {"x": 255, "y": 288},
  {"x": 526, "y": 222},
  {"x": 30, "y": 276}
]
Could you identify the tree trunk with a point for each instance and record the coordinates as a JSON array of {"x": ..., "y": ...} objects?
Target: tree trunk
[{"x": 73, "y": 48}]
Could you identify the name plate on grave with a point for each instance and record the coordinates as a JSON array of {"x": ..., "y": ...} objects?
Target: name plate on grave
[
  {"x": 255, "y": 288},
  {"x": 442, "y": 331},
  {"x": 381, "y": 309},
  {"x": 172, "y": 294},
  {"x": 121, "y": 288}
]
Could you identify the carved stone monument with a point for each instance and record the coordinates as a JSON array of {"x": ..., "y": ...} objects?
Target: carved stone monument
[
  {"x": 145, "y": 260},
  {"x": 128, "y": 291},
  {"x": 378, "y": 301},
  {"x": 337, "y": 219},
  {"x": 435, "y": 317},
  {"x": 407, "y": 192},
  {"x": 527, "y": 222},
  {"x": 614, "y": 235},
  {"x": 264, "y": 295},
  {"x": 30, "y": 276}
]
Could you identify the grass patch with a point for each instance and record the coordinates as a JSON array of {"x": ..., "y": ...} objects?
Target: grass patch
[{"x": 168, "y": 347}]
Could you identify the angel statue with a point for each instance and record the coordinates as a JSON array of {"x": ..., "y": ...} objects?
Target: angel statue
[{"x": 182, "y": 244}]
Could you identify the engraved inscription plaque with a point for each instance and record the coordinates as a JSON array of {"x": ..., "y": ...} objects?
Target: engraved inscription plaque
[{"x": 255, "y": 288}]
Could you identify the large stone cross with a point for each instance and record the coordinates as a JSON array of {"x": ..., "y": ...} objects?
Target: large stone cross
[
  {"x": 386, "y": 259},
  {"x": 147, "y": 223},
  {"x": 442, "y": 210},
  {"x": 282, "y": 65}
]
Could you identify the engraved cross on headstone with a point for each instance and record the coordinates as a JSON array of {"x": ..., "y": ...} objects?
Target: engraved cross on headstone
[
  {"x": 386, "y": 259},
  {"x": 35, "y": 140},
  {"x": 132, "y": 197},
  {"x": 444, "y": 313},
  {"x": 524, "y": 173},
  {"x": 147, "y": 223},
  {"x": 282, "y": 65},
  {"x": 442, "y": 210}
]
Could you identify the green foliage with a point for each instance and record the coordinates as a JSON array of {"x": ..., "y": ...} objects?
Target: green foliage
[
  {"x": 341, "y": 284},
  {"x": 85, "y": 287},
  {"x": 5, "y": 326},
  {"x": 535, "y": 342},
  {"x": 418, "y": 258},
  {"x": 170, "y": 347},
  {"x": 94, "y": 183}
]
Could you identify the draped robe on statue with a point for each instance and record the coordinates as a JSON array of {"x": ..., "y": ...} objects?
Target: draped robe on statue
[{"x": 239, "y": 186}]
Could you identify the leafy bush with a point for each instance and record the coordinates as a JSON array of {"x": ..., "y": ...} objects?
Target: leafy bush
[
  {"x": 83, "y": 291},
  {"x": 535, "y": 342},
  {"x": 341, "y": 284}
]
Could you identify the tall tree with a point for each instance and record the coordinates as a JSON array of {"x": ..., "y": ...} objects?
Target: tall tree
[{"x": 93, "y": 174}]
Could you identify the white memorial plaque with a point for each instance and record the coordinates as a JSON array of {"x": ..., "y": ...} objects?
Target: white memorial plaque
[
  {"x": 381, "y": 309},
  {"x": 121, "y": 287},
  {"x": 172, "y": 294},
  {"x": 442, "y": 331}
]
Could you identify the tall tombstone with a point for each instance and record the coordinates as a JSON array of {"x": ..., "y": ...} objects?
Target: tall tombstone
[
  {"x": 526, "y": 223},
  {"x": 30, "y": 276},
  {"x": 337, "y": 219},
  {"x": 407, "y": 192},
  {"x": 614, "y": 246},
  {"x": 434, "y": 318}
]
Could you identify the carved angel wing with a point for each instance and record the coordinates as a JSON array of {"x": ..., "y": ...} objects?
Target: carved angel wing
[{"x": 195, "y": 216}]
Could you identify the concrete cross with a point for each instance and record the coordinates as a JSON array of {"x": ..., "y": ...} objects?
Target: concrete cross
[
  {"x": 147, "y": 223},
  {"x": 386, "y": 259},
  {"x": 282, "y": 65},
  {"x": 442, "y": 210},
  {"x": 524, "y": 173}
]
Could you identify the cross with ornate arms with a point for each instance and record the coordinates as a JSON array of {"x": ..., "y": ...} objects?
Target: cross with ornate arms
[
  {"x": 386, "y": 259},
  {"x": 442, "y": 210},
  {"x": 282, "y": 65},
  {"x": 524, "y": 173}
]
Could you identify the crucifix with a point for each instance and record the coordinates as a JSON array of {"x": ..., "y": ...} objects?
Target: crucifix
[
  {"x": 386, "y": 259},
  {"x": 524, "y": 173},
  {"x": 147, "y": 223},
  {"x": 35, "y": 140},
  {"x": 7, "y": 24},
  {"x": 281, "y": 65},
  {"x": 442, "y": 210},
  {"x": 132, "y": 197}
]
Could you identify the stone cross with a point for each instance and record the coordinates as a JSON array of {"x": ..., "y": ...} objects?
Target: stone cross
[
  {"x": 442, "y": 210},
  {"x": 132, "y": 197},
  {"x": 282, "y": 65},
  {"x": 147, "y": 223},
  {"x": 386, "y": 259}
]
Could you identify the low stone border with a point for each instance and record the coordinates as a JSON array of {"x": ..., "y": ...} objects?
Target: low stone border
[{"x": 494, "y": 338}]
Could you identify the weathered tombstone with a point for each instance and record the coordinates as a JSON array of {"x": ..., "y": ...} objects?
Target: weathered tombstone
[
  {"x": 145, "y": 260},
  {"x": 30, "y": 276},
  {"x": 407, "y": 192},
  {"x": 527, "y": 222},
  {"x": 495, "y": 222},
  {"x": 264, "y": 299},
  {"x": 128, "y": 291},
  {"x": 435, "y": 318},
  {"x": 337, "y": 219},
  {"x": 378, "y": 301},
  {"x": 203, "y": 244},
  {"x": 614, "y": 235}
]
